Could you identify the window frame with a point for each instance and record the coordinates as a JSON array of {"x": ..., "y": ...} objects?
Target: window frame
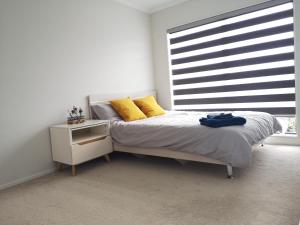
[{"x": 292, "y": 139}]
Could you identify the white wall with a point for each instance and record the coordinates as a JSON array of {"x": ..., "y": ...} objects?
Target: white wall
[
  {"x": 196, "y": 10},
  {"x": 53, "y": 53}
]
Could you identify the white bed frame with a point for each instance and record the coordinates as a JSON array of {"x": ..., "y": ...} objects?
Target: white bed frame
[{"x": 162, "y": 152}]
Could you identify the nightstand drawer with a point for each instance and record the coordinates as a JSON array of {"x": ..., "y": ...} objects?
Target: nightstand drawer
[{"x": 90, "y": 150}]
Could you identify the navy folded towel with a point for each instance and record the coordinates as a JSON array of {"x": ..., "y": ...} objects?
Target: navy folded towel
[
  {"x": 222, "y": 120},
  {"x": 219, "y": 116}
]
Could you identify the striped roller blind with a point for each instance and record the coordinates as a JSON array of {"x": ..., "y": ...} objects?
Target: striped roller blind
[{"x": 242, "y": 60}]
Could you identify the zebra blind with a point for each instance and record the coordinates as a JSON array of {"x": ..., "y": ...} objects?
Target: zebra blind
[{"x": 242, "y": 60}]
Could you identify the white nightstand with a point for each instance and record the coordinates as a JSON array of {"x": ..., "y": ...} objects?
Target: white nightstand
[{"x": 78, "y": 143}]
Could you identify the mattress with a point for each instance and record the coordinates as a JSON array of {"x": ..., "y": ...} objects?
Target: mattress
[{"x": 182, "y": 131}]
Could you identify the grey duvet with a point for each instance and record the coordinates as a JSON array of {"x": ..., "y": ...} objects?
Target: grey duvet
[{"x": 182, "y": 131}]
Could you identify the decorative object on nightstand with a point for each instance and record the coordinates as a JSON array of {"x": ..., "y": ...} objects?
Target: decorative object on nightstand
[
  {"x": 73, "y": 144},
  {"x": 75, "y": 115}
]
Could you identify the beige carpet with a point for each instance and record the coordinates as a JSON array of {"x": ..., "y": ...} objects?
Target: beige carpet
[{"x": 157, "y": 191}]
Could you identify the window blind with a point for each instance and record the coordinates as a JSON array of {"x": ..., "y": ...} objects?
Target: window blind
[{"x": 241, "y": 60}]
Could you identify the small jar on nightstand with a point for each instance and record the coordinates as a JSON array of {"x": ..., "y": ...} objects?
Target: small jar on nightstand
[{"x": 73, "y": 144}]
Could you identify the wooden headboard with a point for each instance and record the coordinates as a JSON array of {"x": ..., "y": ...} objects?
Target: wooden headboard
[{"x": 100, "y": 98}]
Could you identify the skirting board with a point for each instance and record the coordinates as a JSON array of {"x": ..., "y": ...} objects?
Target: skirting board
[{"x": 28, "y": 178}]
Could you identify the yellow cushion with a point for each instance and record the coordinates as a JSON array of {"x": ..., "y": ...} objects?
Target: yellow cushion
[
  {"x": 149, "y": 106},
  {"x": 127, "y": 109}
]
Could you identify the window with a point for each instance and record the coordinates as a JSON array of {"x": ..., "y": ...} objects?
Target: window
[{"x": 241, "y": 60}]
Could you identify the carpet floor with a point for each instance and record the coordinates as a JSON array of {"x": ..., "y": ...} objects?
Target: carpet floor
[{"x": 159, "y": 191}]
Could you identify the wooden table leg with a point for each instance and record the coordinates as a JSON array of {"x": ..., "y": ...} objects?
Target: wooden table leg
[
  {"x": 60, "y": 166},
  {"x": 73, "y": 170},
  {"x": 107, "y": 158}
]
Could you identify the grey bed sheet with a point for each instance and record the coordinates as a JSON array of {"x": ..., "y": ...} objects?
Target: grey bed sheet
[{"x": 182, "y": 131}]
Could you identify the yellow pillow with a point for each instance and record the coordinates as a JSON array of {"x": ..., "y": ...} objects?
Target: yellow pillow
[
  {"x": 127, "y": 109},
  {"x": 149, "y": 106}
]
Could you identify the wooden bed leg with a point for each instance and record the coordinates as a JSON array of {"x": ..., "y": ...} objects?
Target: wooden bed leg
[
  {"x": 73, "y": 170},
  {"x": 229, "y": 172},
  {"x": 60, "y": 166}
]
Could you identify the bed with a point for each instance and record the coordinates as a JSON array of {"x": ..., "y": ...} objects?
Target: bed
[{"x": 179, "y": 135}]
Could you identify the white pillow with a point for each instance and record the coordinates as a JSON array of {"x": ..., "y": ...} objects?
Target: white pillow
[{"x": 104, "y": 111}]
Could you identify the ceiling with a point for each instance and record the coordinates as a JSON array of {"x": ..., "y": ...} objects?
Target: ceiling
[{"x": 150, "y": 6}]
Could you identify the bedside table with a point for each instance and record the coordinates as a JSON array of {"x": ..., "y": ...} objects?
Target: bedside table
[{"x": 77, "y": 143}]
